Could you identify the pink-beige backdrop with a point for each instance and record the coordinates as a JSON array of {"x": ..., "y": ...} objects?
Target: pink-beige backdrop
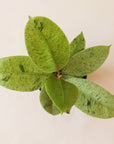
[{"x": 22, "y": 119}]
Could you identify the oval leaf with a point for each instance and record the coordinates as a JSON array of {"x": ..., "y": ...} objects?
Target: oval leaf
[
  {"x": 87, "y": 61},
  {"x": 62, "y": 93},
  {"x": 20, "y": 73},
  {"x": 46, "y": 43},
  {"x": 47, "y": 103},
  {"x": 93, "y": 99},
  {"x": 78, "y": 44}
]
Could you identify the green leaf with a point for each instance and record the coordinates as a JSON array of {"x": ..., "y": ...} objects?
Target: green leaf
[
  {"x": 62, "y": 93},
  {"x": 46, "y": 43},
  {"x": 86, "y": 61},
  {"x": 93, "y": 99},
  {"x": 78, "y": 44},
  {"x": 47, "y": 103},
  {"x": 20, "y": 73}
]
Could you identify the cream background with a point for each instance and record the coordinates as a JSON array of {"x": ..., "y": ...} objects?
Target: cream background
[{"x": 22, "y": 119}]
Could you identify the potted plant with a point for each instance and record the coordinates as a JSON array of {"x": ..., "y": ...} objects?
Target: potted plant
[{"x": 58, "y": 69}]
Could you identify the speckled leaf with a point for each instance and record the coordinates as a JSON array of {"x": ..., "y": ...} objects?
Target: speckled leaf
[
  {"x": 47, "y": 45},
  {"x": 87, "y": 61},
  {"x": 20, "y": 73},
  {"x": 62, "y": 93},
  {"x": 47, "y": 103},
  {"x": 78, "y": 44},
  {"x": 93, "y": 99}
]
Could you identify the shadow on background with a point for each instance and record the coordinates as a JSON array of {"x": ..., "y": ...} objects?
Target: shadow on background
[{"x": 104, "y": 77}]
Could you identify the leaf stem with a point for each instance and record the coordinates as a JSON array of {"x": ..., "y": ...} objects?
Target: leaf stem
[
  {"x": 58, "y": 74},
  {"x": 62, "y": 78}
]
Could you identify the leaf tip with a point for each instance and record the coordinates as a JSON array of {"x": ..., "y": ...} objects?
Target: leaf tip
[
  {"x": 29, "y": 17},
  {"x": 110, "y": 46},
  {"x": 81, "y": 33},
  {"x": 62, "y": 112}
]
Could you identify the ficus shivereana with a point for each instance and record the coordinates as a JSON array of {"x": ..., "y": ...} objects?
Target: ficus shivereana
[{"x": 58, "y": 68}]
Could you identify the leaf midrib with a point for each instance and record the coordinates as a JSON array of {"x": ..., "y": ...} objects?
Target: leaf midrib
[
  {"x": 62, "y": 92},
  {"x": 23, "y": 73},
  {"x": 50, "y": 51}
]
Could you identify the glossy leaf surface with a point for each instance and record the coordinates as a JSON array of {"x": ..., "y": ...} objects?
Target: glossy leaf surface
[
  {"x": 20, "y": 73},
  {"x": 62, "y": 93},
  {"x": 93, "y": 99},
  {"x": 46, "y": 43},
  {"x": 87, "y": 61}
]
